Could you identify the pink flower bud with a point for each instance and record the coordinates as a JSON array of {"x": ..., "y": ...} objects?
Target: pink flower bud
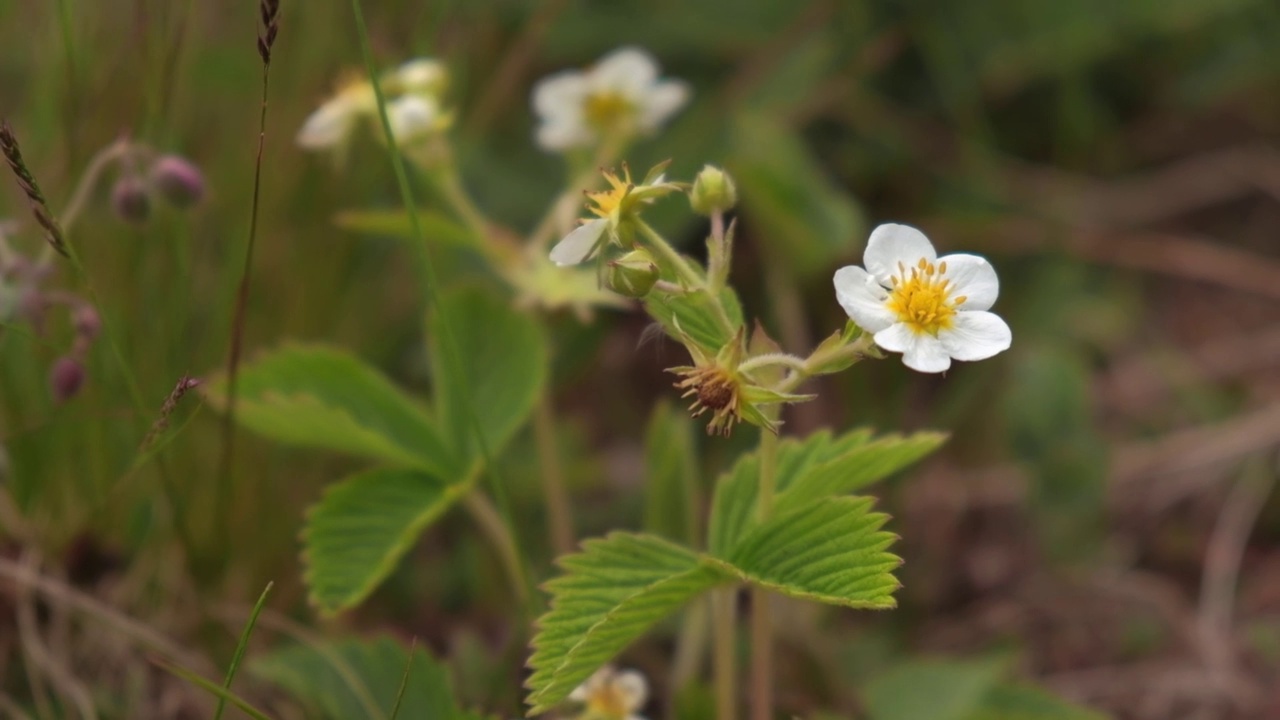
[
  {"x": 178, "y": 180},
  {"x": 87, "y": 322},
  {"x": 131, "y": 199},
  {"x": 65, "y": 379}
]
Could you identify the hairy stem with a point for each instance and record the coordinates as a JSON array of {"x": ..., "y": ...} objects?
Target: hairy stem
[
  {"x": 761, "y": 622},
  {"x": 559, "y": 515}
]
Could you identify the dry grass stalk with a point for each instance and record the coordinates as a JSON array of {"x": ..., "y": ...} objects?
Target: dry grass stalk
[{"x": 39, "y": 207}]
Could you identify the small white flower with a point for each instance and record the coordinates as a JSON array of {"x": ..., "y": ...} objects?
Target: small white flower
[
  {"x": 930, "y": 309},
  {"x": 331, "y": 124},
  {"x": 620, "y": 94},
  {"x": 413, "y": 117},
  {"x": 613, "y": 208},
  {"x": 612, "y": 695}
]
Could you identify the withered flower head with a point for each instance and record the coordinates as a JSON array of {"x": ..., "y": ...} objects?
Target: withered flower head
[{"x": 716, "y": 384}]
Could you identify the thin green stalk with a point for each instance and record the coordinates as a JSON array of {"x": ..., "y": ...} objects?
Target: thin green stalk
[
  {"x": 426, "y": 268},
  {"x": 213, "y": 688},
  {"x": 73, "y": 95},
  {"x": 761, "y": 622},
  {"x": 241, "y": 646},
  {"x": 724, "y": 610},
  {"x": 559, "y": 513},
  {"x": 672, "y": 257},
  {"x": 498, "y": 531},
  {"x": 404, "y": 679}
]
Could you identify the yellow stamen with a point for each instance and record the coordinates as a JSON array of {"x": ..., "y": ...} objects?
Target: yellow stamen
[
  {"x": 607, "y": 110},
  {"x": 607, "y": 201},
  {"x": 922, "y": 300}
]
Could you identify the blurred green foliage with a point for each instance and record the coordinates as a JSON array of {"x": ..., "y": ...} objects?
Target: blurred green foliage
[{"x": 834, "y": 115}]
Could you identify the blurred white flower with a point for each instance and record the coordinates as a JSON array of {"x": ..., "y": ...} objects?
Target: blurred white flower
[
  {"x": 930, "y": 309},
  {"x": 413, "y": 117},
  {"x": 414, "y": 106},
  {"x": 612, "y": 695},
  {"x": 331, "y": 124},
  {"x": 620, "y": 94}
]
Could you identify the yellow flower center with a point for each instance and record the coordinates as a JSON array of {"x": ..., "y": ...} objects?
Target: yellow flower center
[
  {"x": 607, "y": 110},
  {"x": 922, "y": 299},
  {"x": 608, "y": 702},
  {"x": 608, "y": 201}
]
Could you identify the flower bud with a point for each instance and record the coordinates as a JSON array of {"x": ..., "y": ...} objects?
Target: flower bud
[
  {"x": 713, "y": 191},
  {"x": 633, "y": 275},
  {"x": 131, "y": 199},
  {"x": 177, "y": 180},
  {"x": 65, "y": 378},
  {"x": 87, "y": 322}
]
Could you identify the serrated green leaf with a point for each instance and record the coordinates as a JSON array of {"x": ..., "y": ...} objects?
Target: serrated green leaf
[
  {"x": 436, "y": 227},
  {"x": 503, "y": 360},
  {"x": 360, "y": 679},
  {"x": 1018, "y": 701},
  {"x": 612, "y": 592},
  {"x": 934, "y": 689},
  {"x": 695, "y": 315},
  {"x": 323, "y": 397},
  {"x": 831, "y": 551},
  {"x": 362, "y": 527},
  {"x": 671, "y": 483},
  {"x": 788, "y": 199},
  {"x": 810, "y": 469}
]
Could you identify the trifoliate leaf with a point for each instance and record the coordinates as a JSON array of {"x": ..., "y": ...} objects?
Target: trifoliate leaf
[{"x": 831, "y": 551}]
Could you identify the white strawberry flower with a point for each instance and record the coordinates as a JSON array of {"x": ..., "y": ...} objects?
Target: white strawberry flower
[
  {"x": 930, "y": 309},
  {"x": 331, "y": 124},
  {"x": 620, "y": 94},
  {"x": 612, "y": 695}
]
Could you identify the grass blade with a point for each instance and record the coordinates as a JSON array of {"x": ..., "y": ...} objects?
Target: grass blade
[
  {"x": 213, "y": 688},
  {"x": 404, "y": 679},
  {"x": 241, "y": 647}
]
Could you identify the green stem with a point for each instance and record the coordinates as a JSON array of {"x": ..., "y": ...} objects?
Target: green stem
[
  {"x": 684, "y": 270},
  {"x": 784, "y": 359},
  {"x": 723, "y": 613},
  {"x": 761, "y": 622},
  {"x": 559, "y": 515},
  {"x": 499, "y": 533}
]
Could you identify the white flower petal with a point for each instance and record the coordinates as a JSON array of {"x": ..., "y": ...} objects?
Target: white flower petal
[
  {"x": 891, "y": 244},
  {"x": 921, "y": 352},
  {"x": 563, "y": 134},
  {"x": 328, "y": 126},
  {"x": 973, "y": 278},
  {"x": 412, "y": 116},
  {"x": 976, "y": 336},
  {"x": 577, "y": 245},
  {"x": 627, "y": 70},
  {"x": 560, "y": 94},
  {"x": 661, "y": 102},
  {"x": 632, "y": 688},
  {"x": 863, "y": 299}
]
